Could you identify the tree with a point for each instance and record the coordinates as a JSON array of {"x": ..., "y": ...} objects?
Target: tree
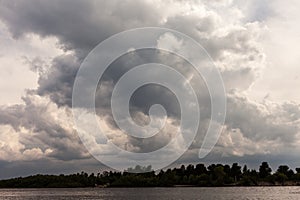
[
  {"x": 227, "y": 169},
  {"x": 189, "y": 169},
  {"x": 220, "y": 174},
  {"x": 245, "y": 170},
  {"x": 168, "y": 178},
  {"x": 264, "y": 170},
  {"x": 235, "y": 171},
  {"x": 283, "y": 169},
  {"x": 213, "y": 175},
  {"x": 281, "y": 177},
  {"x": 200, "y": 169},
  {"x": 211, "y": 168},
  {"x": 290, "y": 174},
  {"x": 182, "y": 170}
]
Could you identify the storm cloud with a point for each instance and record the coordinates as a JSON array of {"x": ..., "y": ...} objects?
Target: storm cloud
[{"x": 42, "y": 129}]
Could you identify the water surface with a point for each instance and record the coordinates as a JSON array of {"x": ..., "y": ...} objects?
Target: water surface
[{"x": 223, "y": 193}]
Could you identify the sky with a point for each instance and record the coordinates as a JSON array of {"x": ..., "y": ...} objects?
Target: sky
[{"x": 253, "y": 43}]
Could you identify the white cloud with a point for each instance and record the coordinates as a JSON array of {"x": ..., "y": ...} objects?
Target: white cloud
[
  {"x": 16, "y": 75},
  {"x": 12, "y": 149},
  {"x": 280, "y": 78}
]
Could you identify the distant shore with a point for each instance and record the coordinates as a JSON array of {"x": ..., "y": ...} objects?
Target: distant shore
[{"x": 214, "y": 175}]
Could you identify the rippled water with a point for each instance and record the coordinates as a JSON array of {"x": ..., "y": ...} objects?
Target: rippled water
[{"x": 153, "y": 193}]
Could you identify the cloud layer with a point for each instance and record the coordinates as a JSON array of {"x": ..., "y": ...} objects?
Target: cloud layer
[{"x": 41, "y": 128}]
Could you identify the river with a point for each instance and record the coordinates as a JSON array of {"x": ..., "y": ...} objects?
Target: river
[{"x": 176, "y": 193}]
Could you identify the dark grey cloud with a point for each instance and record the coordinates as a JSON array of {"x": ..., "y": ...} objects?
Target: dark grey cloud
[
  {"x": 85, "y": 24},
  {"x": 58, "y": 81},
  {"x": 78, "y": 24}
]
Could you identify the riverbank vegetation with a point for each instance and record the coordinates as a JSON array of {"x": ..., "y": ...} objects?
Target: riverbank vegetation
[{"x": 191, "y": 175}]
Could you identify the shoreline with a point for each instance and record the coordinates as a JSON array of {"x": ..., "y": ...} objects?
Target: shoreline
[{"x": 175, "y": 186}]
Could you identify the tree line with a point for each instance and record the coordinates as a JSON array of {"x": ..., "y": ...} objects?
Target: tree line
[{"x": 190, "y": 175}]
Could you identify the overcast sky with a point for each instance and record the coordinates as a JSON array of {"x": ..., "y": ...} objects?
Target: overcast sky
[{"x": 254, "y": 43}]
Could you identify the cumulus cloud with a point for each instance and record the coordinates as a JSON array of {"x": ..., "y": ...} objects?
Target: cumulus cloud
[
  {"x": 264, "y": 128},
  {"x": 39, "y": 129}
]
